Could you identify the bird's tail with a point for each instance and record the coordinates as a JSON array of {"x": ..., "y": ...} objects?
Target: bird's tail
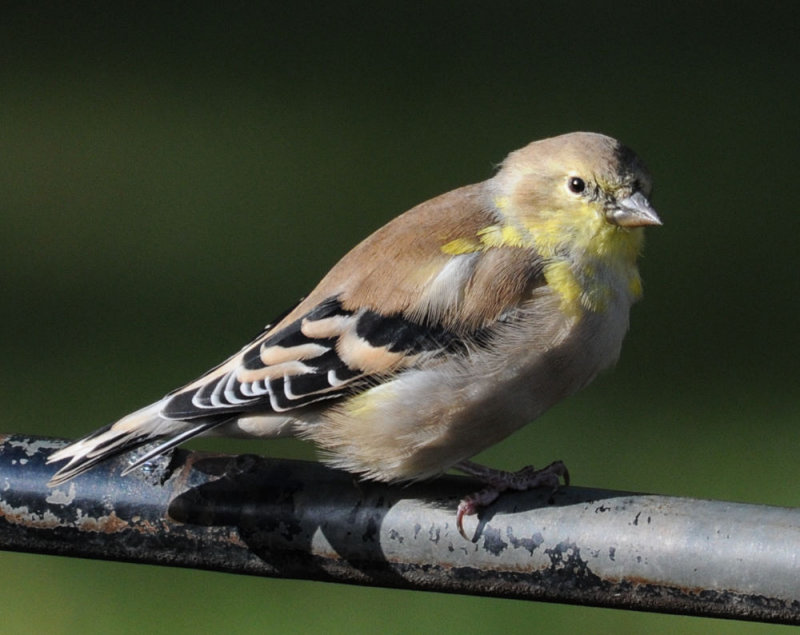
[{"x": 134, "y": 430}]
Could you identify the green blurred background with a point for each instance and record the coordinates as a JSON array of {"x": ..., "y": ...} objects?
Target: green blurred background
[{"x": 173, "y": 176}]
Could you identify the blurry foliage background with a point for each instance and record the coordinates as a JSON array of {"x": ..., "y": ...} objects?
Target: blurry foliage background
[{"x": 174, "y": 175}]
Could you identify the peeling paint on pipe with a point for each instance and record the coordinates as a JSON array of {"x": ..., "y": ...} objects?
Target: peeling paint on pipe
[{"x": 259, "y": 516}]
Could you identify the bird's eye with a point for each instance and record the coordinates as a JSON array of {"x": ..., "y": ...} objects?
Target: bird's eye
[{"x": 576, "y": 184}]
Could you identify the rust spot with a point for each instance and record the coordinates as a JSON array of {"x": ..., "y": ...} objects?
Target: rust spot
[
  {"x": 22, "y": 516},
  {"x": 147, "y": 527},
  {"x": 110, "y": 524}
]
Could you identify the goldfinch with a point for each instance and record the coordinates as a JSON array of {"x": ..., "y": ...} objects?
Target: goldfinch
[{"x": 439, "y": 335}]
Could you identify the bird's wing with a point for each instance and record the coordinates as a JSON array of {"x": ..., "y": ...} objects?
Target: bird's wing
[
  {"x": 434, "y": 280},
  {"x": 385, "y": 306},
  {"x": 318, "y": 356}
]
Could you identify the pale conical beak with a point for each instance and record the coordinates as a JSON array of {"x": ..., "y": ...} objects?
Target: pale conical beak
[{"x": 634, "y": 211}]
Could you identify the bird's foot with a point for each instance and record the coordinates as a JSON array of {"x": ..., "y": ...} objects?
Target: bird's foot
[{"x": 499, "y": 481}]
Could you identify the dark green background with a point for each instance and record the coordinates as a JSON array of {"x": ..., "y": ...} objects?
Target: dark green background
[{"x": 172, "y": 177}]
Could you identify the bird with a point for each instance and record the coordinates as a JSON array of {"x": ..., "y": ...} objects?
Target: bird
[{"x": 452, "y": 326}]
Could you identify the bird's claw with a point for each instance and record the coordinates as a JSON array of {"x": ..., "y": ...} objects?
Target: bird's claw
[{"x": 499, "y": 481}]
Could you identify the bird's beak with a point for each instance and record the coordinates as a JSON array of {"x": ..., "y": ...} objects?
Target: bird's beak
[{"x": 633, "y": 211}]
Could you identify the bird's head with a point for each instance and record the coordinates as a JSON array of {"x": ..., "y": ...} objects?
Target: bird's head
[{"x": 582, "y": 189}]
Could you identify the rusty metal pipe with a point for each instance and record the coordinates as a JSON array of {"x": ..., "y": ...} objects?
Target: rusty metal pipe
[{"x": 246, "y": 514}]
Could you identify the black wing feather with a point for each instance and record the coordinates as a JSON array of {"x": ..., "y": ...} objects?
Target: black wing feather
[{"x": 323, "y": 377}]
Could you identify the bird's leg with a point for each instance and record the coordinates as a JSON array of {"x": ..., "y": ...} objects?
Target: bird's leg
[{"x": 499, "y": 481}]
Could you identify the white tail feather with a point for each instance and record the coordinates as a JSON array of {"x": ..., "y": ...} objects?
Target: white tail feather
[{"x": 129, "y": 432}]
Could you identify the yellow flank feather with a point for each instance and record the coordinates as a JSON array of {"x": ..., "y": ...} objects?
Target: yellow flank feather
[
  {"x": 491, "y": 236},
  {"x": 562, "y": 280},
  {"x": 501, "y": 236},
  {"x": 367, "y": 403},
  {"x": 360, "y": 405},
  {"x": 461, "y": 246}
]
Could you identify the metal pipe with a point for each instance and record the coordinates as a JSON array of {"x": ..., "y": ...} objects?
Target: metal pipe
[{"x": 246, "y": 514}]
